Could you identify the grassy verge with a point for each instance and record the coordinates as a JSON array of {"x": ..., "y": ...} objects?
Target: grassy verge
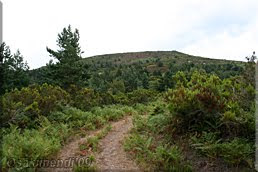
[
  {"x": 150, "y": 149},
  {"x": 45, "y": 141},
  {"x": 156, "y": 144},
  {"x": 235, "y": 152}
]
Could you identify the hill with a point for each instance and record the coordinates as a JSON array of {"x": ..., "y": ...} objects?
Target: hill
[
  {"x": 151, "y": 69},
  {"x": 152, "y": 59}
]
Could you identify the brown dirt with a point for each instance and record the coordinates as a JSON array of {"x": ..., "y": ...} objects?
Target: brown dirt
[
  {"x": 112, "y": 155},
  {"x": 69, "y": 152}
]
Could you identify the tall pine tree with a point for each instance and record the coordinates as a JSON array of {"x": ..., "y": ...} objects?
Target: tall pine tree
[{"x": 66, "y": 71}]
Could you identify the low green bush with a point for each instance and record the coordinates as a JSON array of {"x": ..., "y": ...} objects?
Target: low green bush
[
  {"x": 141, "y": 96},
  {"x": 20, "y": 149},
  {"x": 85, "y": 99},
  {"x": 121, "y": 98},
  {"x": 95, "y": 118},
  {"x": 158, "y": 157},
  {"x": 23, "y": 107},
  {"x": 150, "y": 149},
  {"x": 234, "y": 152}
]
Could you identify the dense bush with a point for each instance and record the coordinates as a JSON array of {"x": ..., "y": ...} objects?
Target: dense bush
[
  {"x": 23, "y": 107},
  {"x": 92, "y": 119},
  {"x": 141, "y": 96},
  {"x": 121, "y": 98},
  {"x": 207, "y": 103},
  {"x": 85, "y": 99},
  {"x": 137, "y": 96},
  {"x": 106, "y": 98},
  {"x": 218, "y": 114}
]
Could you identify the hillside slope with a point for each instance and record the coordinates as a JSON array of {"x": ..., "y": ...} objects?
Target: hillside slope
[
  {"x": 153, "y": 59},
  {"x": 149, "y": 70}
]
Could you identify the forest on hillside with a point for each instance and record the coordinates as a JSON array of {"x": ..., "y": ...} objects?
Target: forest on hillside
[{"x": 189, "y": 113}]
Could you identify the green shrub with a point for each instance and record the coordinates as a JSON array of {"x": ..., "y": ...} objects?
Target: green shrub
[
  {"x": 238, "y": 125},
  {"x": 170, "y": 159},
  {"x": 158, "y": 123},
  {"x": 160, "y": 157},
  {"x": 207, "y": 103},
  {"x": 194, "y": 110},
  {"x": 23, "y": 107},
  {"x": 141, "y": 96},
  {"x": 140, "y": 124},
  {"x": 92, "y": 143},
  {"x": 234, "y": 152},
  {"x": 140, "y": 108},
  {"x": 85, "y": 99},
  {"x": 128, "y": 110},
  {"x": 150, "y": 149},
  {"x": 112, "y": 112},
  {"x": 31, "y": 145},
  {"x": 106, "y": 98},
  {"x": 121, "y": 98}
]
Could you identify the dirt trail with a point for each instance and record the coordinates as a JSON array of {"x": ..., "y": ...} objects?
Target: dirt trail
[
  {"x": 69, "y": 153},
  {"x": 111, "y": 155}
]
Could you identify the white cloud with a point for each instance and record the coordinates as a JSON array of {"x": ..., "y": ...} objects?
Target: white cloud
[
  {"x": 219, "y": 29},
  {"x": 225, "y": 45}
]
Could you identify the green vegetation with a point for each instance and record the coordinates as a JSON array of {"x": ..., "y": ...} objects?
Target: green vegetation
[
  {"x": 151, "y": 150},
  {"x": 51, "y": 133},
  {"x": 181, "y": 105},
  {"x": 13, "y": 71},
  {"x": 92, "y": 142},
  {"x": 236, "y": 151},
  {"x": 212, "y": 117},
  {"x": 32, "y": 144}
]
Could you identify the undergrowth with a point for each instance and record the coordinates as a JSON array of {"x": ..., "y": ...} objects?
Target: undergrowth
[
  {"x": 150, "y": 150},
  {"x": 48, "y": 137}
]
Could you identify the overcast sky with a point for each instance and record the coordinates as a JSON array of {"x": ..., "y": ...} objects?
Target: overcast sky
[{"x": 210, "y": 28}]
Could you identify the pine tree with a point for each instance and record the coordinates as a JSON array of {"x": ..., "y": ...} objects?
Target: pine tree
[
  {"x": 66, "y": 71},
  {"x": 13, "y": 70}
]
